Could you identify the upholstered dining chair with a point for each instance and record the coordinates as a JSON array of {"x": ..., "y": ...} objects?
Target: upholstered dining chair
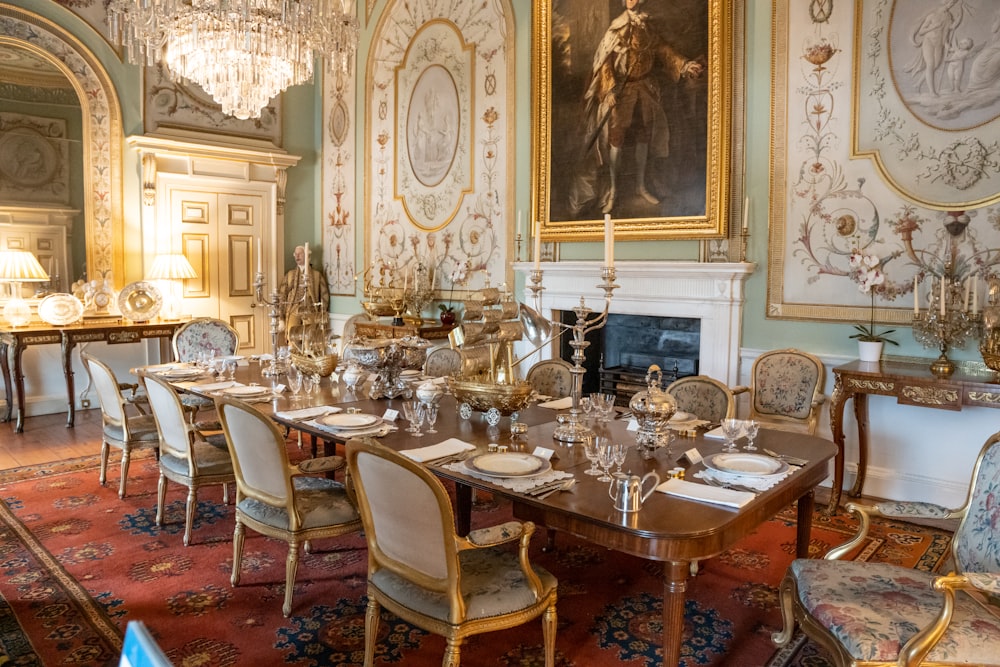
[
  {"x": 198, "y": 336},
  {"x": 882, "y": 614},
  {"x": 704, "y": 397},
  {"x": 277, "y": 499},
  {"x": 186, "y": 456},
  {"x": 786, "y": 390},
  {"x": 120, "y": 430},
  {"x": 442, "y": 362},
  {"x": 421, "y": 571},
  {"x": 551, "y": 377}
]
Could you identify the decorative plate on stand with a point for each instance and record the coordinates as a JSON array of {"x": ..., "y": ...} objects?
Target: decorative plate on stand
[
  {"x": 60, "y": 309},
  {"x": 140, "y": 301}
]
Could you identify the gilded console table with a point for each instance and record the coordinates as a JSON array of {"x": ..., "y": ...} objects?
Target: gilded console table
[
  {"x": 911, "y": 383},
  {"x": 13, "y": 341}
]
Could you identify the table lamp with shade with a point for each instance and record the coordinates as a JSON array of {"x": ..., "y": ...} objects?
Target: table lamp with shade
[
  {"x": 16, "y": 267},
  {"x": 171, "y": 268}
]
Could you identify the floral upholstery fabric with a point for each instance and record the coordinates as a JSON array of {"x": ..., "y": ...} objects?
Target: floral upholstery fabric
[
  {"x": 705, "y": 400},
  {"x": 551, "y": 377},
  {"x": 442, "y": 362},
  {"x": 874, "y": 608},
  {"x": 203, "y": 334},
  {"x": 912, "y": 510},
  {"x": 784, "y": 384},
  {"x": 977, "y": 540}
]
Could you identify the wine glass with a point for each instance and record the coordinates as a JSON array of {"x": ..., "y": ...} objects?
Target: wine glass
[
  {"x": 608, "y": 408},
  {"x": 752, "y": 427},
  {"x": 316, "y": 379},
  {"x": 430, "y": 416},
  {"x": 590, "y": 451},
  {"x": 307, "y": 382},
  {"x": 605, "y": 458},
  {"x": 586, "y": 405},
  {"x": 294, "y": 382},
  {"x": 731, "y": 429},
  {"x": 230, "y": 368},
  {"x": 620, "y": 451},
  {"x": 408, "y": 414},
  {"x": 419, "y": 413}
]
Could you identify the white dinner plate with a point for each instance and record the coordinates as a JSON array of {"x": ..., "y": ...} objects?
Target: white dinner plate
[
  {"x": 752, "y": 465},
  {"x": 508, "y": 464},
  {"x": 348, "y": 421},
  {"x": 181, "y": 373},
  {"x": 246, "y": 391}
]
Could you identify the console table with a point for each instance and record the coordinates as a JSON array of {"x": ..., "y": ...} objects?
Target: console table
[
  {"x": 13, "y": 341},
  {"x": 911, "y": 383}
]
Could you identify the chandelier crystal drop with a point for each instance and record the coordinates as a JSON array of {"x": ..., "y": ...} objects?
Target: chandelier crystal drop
[{"x": 241, "y": 52}]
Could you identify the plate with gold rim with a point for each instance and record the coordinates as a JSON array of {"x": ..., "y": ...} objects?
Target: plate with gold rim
[
  {"x": 60, "y": 309},
  {"x": 508, "y": 464},
  {"x": 347, "y": 421},
  {"x": 745, "y": 463},
  {"x": 246, "y": 391},
  {"x": 140, "y": 301}
]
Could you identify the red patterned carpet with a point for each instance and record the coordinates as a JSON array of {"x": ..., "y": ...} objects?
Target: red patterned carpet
[{"x": 77, "y": 564}]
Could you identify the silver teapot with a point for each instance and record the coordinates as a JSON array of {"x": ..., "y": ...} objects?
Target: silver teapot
[{"x": 628, "y": 493}]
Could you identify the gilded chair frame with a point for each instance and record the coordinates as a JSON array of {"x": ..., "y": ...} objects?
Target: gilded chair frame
[
  {"x": 769, "y": 419},
  {"x": 138, "y": 432},
  {"x": 283, "y": 499},
  {"x": 182, "y": 442},
  {"x": 920, "y": 644},
  {"x": 449, "y": 584},
  {"x": 714, "y": 385}
]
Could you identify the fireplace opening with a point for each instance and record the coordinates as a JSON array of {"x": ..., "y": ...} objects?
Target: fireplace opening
[{"x": 621, "y": 352}]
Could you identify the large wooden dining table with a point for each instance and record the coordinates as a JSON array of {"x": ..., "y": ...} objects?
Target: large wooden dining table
[{"x": 668, "y": 529}]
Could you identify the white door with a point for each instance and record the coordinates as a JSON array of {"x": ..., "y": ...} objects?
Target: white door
[{"x": 218, "y": 230}]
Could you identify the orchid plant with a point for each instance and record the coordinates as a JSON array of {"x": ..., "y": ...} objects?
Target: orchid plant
[
  {"x": 865, "y": 270},
  {"x": 457, "y": 277}
]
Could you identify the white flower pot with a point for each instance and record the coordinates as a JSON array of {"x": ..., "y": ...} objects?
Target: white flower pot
[{"x": 869, "y": 351}]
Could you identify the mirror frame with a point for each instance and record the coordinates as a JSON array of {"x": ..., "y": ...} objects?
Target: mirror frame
[{"x": 102, "y": 133}]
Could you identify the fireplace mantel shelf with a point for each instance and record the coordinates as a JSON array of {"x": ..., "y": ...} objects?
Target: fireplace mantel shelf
[{"x": 711, "y": 292}]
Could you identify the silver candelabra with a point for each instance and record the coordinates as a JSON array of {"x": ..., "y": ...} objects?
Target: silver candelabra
[
  {"x": 572, "y": 427},
  {"x": 276, "y": 308}
]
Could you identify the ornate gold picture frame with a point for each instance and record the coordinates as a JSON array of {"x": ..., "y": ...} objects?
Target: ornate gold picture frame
[{"x": 658, "y": 129}]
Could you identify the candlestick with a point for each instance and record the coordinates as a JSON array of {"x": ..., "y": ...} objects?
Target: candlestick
[
  {"x": 609, "y": 241},
  {"x": 538, "y": 246},
  {"x": 916, "y": 297},
  {"x": 307, "y": 255}
]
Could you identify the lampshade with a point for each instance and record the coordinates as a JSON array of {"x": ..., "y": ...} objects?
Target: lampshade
[
  {"x": 21, "y": 266},
  {"x": 171, "y": 267}
]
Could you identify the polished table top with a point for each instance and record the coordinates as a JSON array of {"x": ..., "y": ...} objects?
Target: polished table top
[{"x": 673, "y": 530}]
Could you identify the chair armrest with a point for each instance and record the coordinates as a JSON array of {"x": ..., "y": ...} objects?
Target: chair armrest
[
  {"x": 915, "y": 510},
  {"x": 980, "y": 581},
  {"x": 322, "y": 464},
  {"x": 739, "y": 389},
  {"x": 494, "y": 535},
  {"x": 818, "y": 399}
]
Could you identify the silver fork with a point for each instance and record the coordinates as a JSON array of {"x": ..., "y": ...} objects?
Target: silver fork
[{"x": 727, "y": 485}]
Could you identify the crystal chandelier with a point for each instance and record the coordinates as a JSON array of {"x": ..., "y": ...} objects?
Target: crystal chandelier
[{"x": 241, "y": 52}]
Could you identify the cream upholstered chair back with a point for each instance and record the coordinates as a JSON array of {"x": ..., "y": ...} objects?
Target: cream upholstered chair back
[
  {"x": 704, "y": 397},
  {"x": 168, "y": 411},
  {"x": 976, "y": 543},
  {"x": 420, "y": 570},
  {"x": 108, "y": 393},
  {"x": 424, "y": 521},
  {"x": 260, "y": 460},
  {"x": 551, "y": 377},
  {"x": 204, "y": 334},
  {"x": 786, "y": 390}
]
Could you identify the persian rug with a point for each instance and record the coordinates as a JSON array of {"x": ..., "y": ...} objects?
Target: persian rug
[{"x": 77, "y": 564}]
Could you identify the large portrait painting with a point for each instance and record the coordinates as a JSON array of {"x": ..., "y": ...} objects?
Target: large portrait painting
[
  {"x": 633, "y": 117},
  {"x": 914, "y": 86}
]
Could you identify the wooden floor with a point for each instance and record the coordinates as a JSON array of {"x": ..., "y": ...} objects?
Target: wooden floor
[{"x": 46, "y": 439}]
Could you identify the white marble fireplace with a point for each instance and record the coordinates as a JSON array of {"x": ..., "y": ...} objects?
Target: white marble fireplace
[{"x": 713, "y": 293}]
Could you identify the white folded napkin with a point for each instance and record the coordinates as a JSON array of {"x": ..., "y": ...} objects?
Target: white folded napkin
[
  {"x": 558, "y": 404},
  {"x": 705, "y": 493},
  {"x": 446, "y": 448},
  {"x": 308, "y": 413},
  {"x": 211, "y": 386}
]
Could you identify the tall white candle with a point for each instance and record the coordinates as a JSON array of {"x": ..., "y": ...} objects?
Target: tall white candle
[
  {"x": 609, "y": 241},
  {"x": 942, "y": 296},
  {"x": 260, "y": 258},
  {"x": 307, "y": 255},
  {"x": 520, "y": 221},
  {"x": 746, "y": 214},
  {"x": 916, "y": 297},
  {"x": 975, "y": 294},
  {"x": 538, "y": 246}
]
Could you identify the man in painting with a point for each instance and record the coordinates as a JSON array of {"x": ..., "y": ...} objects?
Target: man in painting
[{"x": 624, "y": 97}]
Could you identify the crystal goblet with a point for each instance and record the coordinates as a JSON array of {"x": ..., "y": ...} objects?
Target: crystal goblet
[
  {"x": 731, "y": 429},
  {"x": 752, "y": 427}
]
